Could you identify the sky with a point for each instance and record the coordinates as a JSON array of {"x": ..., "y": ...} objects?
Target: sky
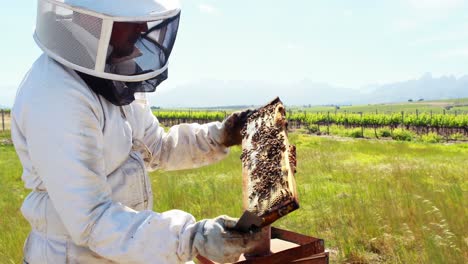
[{"x": 350, "y": 44}]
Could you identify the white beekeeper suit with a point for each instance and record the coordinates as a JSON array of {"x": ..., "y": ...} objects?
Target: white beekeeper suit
[{"x": 86, "y": 159}]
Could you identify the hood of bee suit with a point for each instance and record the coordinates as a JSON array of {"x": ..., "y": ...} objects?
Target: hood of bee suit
[{"x": 79, "y": 35}]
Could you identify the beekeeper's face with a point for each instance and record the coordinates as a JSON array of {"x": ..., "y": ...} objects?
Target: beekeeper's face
[{"x": 124, "y": 36}]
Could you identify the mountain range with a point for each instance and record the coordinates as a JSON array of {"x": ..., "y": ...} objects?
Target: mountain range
[
  {"x": 219, "y": 93},
  {"x": 209, "y": 93}
]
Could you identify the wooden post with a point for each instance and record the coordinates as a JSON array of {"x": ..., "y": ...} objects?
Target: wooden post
[
  {"x": 3, "y": 120},
  {"x": 346, "y": 120},
  {"x": 328, "y": 123},
  {"x": 362, "y": 126},
  {"x": 402, "y": 117},
  {"x": 417, "y": 118}
]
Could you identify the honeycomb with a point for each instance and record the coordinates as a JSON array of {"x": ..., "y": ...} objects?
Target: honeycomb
[{"x": 268, "y": 164}]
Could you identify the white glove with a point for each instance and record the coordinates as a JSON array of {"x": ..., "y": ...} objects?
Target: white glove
[{"x": 215, "y": 241}]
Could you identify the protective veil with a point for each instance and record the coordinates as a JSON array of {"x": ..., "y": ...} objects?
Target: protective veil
[{"x": 80, "y": 34}]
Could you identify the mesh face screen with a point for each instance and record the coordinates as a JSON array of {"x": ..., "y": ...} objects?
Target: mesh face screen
[
  {"x": 152, "y": 48},
  {"x": 70, "y": 35},
  {"x": 269, "y": 163},
  {"x": 128, "y": 50}
]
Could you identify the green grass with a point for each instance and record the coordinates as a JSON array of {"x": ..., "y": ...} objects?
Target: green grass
[
  {"x": 372, "y": 201},
  {"x": 455, "y": 101},
  {"x": 398, "y": 134},
  {"x": 5, "y": 135},
  {"x": 13, "y": 227},
  {"x": 437, "y": 107},
  {"x": 461, "y": 109},
  {"x": 406, "y": 107}
]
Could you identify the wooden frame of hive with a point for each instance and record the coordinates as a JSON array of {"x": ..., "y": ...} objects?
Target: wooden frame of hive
[{"x": 268, "y": 164}]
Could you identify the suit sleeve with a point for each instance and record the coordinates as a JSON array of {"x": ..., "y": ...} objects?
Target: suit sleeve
[{"x": 184, "y": 146}]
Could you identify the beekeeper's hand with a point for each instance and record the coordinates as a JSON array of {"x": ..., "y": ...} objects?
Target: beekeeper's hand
[
  {"x": 232, "y": 127},
  {"x": 214, "y": 239}
]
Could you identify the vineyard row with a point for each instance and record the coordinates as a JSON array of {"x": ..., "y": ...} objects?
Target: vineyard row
[{"x": 346, "y": 119}]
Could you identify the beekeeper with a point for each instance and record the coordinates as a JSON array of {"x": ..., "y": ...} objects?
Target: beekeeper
[{"x": 86, "y": 138}]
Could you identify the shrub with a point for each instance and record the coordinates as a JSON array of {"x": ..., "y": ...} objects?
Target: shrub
[
  {"x": 312, "y": 129},
  {"x": 456, "y": 136},
  {"x": 384, "y": 132},
  {"x": 402, "y": 135},
  {"x": 355, "y": 133},
  {"x": 431, "y": 138}
]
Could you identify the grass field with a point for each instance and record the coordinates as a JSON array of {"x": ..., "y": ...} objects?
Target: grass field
[
  {"x": 372, "y": 201},
  {"x": 383, "y": 133},
  {"x": 451, "y": 106}
]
